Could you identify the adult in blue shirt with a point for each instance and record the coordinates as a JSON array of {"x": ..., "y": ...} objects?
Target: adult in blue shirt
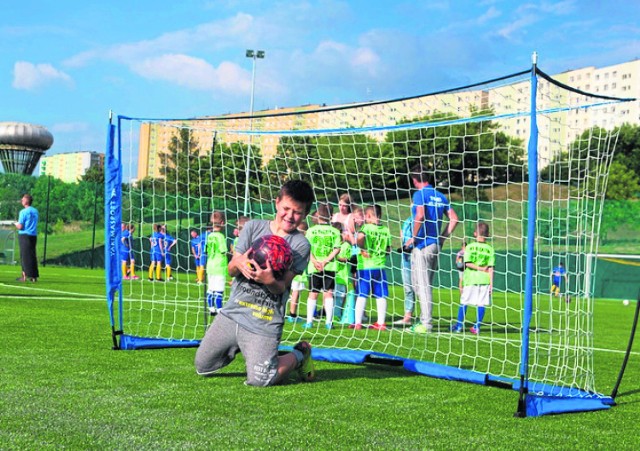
[
  {"x": 27, "y": 226},
  {"x": 427, "y": 209}
]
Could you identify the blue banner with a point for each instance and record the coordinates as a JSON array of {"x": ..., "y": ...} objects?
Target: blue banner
[{"x": 113, "y": 215}]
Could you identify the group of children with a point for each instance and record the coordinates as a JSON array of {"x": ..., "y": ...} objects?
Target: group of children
[{"x": 347, "y": 265}]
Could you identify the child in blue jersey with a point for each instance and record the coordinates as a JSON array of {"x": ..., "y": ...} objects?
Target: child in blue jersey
[
  {"x": 169, "y": 241},
  {"x": 558, "y": 274},
  {"x": 126, "y": 252},
  {"x": 157, "y": 253},
  {"x": 196, "y": 250},
  {"x": 374, "y": 241}
]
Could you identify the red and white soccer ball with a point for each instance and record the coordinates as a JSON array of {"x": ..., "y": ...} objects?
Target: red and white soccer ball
[{"x": 275, "y": 249}]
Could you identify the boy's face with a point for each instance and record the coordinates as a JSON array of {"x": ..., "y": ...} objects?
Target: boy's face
[
  {"x": 370, "y": 218},
  {"x": 358, "y": 218},
  {"x": 289, "y": 214}
]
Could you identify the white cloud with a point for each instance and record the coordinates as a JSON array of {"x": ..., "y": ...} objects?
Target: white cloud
[
  {"x": 29, "y": 76},
  {"x": 194, "y": 73},
  {"x": 491, "y": 13},
  {"x": 211, "y": 35}
]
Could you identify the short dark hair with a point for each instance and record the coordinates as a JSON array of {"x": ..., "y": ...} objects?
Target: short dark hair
[
  {"x": 300, "y": 191},
  {"x": 482, "y": 229},
  {"x": 29, "y": 198},
  {"x": 376, "y": 209},
  {"x": 324, "y": 212},
  {"x": 420, "y": 173}
]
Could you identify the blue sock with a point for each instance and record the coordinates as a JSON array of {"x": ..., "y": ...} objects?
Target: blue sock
[
  {"x": 209, "y": 299},
  {"x": 480, "y": 317},
  {"x": 217, "y": 297},
  {"x": 462, "y": 311}
]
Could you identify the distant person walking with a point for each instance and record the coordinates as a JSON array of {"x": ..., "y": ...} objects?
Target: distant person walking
[{"x": 27, "y": 226}]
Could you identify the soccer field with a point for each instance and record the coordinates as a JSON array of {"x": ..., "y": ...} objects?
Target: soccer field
[{"x": 63, "y": 386}]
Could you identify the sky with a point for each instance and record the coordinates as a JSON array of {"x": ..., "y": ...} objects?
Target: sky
[{"x": 66, "y": 64}]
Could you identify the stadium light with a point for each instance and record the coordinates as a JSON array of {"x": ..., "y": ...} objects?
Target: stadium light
[{"x": 253, "y": 54}]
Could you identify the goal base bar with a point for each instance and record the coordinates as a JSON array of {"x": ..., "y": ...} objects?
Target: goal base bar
[
  {"x": 545, "y": 399},
  {"x": 131, "y": 342}
]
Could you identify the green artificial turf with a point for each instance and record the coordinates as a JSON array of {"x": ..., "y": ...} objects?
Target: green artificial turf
[{"x": 62, "y": 386}]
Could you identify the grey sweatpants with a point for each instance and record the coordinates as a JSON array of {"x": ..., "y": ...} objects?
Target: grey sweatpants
[
  {"x": 424, "y": 263},
  {"x": 225, "y": 339}
]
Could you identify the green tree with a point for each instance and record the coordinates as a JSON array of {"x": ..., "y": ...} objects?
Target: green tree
[
  {"x": 623, "y": 182},
  {"x": 95, "y": 174},
  {"x": 462, "y": 154}
]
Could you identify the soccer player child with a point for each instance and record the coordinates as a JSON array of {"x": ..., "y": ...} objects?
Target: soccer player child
[
  {"x": 460, "y": 265},
  {"x": 169, "y": 241},
  {"x": 216, "y": 262},
  {"x": 242, "y": 220},
  {"x": 157, "y": 253},
  {"x": 479, "y": 260},
  {"x": 374, "y": 241},
  {"x": 251, "y": 321},
  {"x": 298, "y": 284},
  {"x": 196, "y": 251},
  {"x": 325, "y": 243},
  {"x": 128, "y": 260},
  {"x": 342, "y": 275},
  {"x": 409, "y": 295},
  {"x": 558, "y": 273}
]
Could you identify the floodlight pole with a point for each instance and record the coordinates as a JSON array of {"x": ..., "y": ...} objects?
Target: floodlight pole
[{"x": 254, "y": 54}]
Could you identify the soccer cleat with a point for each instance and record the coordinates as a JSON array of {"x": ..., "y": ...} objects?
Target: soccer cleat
[
  {"x": 305, "y": 369},
  {"x": 378, "y": 326},
  {"x": 402, "y": 322},
  {"x": 170, "y": 278},
  {"x": 355, "y": 326},
  {"x": 307, "y": 325},
  {"x": 126, "y": 277},
  {"x": 213, "y": 311},
  {"x": 474, "y": 330},
  {"x": 135, "y": 278},
  {"x": 150, "y": 279},
  {"x": 160, "y": 280},
  {"x": 456, "y": 328},
  {"x": 291, "y": 319},
  {"x": 419, "y": 329}
]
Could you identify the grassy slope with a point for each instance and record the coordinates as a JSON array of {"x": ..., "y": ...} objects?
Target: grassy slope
[{"x": 62, "y": 386}]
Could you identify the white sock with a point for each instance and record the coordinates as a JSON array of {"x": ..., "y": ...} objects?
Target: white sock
[
  {"x": 381, "y": 303},
  {"x": 360, "y": 306},
  {"x": 311, "y": 308},
  {"x": 328, "y": 308}
]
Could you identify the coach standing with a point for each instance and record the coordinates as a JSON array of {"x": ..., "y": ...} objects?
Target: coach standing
[
  {"x": 27, "y": 226},
  {"x": 427, "y": 209}
]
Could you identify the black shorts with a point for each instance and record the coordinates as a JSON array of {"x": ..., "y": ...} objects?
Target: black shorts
[
  {"x": 322, "y": 281},
  {"x": 353, "y": 265}
]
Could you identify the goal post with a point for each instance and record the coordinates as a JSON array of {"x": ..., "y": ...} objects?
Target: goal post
[{"x": 524, "y": 153}]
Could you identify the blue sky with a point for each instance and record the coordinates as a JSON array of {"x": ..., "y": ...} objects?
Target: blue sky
[{"x": 65, "y": 64}]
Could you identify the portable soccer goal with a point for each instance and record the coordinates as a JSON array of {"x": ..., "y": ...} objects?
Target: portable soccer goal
[
  {"x": 7, "y": 242},
  {"x": 526, "y": 153}
]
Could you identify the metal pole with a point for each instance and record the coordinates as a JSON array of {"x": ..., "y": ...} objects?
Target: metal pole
[
  {"x": 95, "y": 213},
  {"x": 46, "y": 224},
  {"x": 254, "y": 54}
]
